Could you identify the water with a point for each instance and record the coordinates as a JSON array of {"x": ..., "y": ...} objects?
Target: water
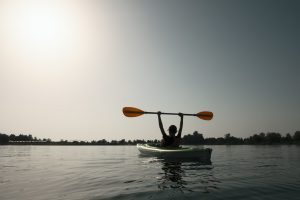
[{"x": 117, "y": 172}]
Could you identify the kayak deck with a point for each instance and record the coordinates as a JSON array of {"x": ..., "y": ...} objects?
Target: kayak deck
[{"x": 178, "y": 153}]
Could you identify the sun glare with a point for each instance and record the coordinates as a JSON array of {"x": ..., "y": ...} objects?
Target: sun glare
[
  {"x": 40, "y": 29},
  {"x": 41, "y": 26},
  {"x": 43, "y": 30}
]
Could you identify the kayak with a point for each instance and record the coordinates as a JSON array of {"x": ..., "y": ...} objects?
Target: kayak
[{"x": 175, "y": 152}]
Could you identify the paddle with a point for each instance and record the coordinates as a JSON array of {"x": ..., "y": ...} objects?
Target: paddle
[{"x": 135, "y": 112}]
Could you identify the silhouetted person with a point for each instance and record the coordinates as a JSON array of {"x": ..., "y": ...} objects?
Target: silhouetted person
[{"x": 171, "y": 140}]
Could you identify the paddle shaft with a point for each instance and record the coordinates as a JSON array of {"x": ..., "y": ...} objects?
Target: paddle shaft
[{"x": 164, "y": 113}]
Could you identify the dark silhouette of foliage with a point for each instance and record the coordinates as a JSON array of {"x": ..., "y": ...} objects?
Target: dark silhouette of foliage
[
  {"x": 4, "y": 139},
  {"x": 196, "y": 138},
  {"x": 287, "y": 139},
  {"x": 297, "y": 136},
  {"x": 189, "y": 139},
  {"x": 102, "y": 142},
  {"x": 273, "y": 138},
  {"x": 256, "y": 139},
  {"x": 231, "y": 140}
]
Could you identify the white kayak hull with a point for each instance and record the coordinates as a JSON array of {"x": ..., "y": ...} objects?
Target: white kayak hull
[{"x": 175, "y": 153}]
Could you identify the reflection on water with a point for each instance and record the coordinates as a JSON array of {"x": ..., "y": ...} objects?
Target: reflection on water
[
  {"x": 186, "y": 177},
  {"x": 171, "y": 177}
]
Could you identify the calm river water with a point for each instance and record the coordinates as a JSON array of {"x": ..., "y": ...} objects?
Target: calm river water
[{"x": 118, "y": 172}]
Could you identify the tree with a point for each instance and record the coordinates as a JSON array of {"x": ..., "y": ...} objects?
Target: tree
[
  {"x": 4, "y": 139},
  {"x": 30, "y": 138},
  {"x": 227, "y": 136},
  {"x": 273, "y": 138},
  {"x": 288, "y": 138},
  {"x": 196, "y": 138},
  {"x": 210, "y": 141},
  {"x": 255, "y": 139},
  {"x": 122, "y": 142},
  {"x": 12, "y": 137},
  {"x": 297, "y": 136},
  {"x": 114, "y": 142},
  {"x": 102, "y": 142}
]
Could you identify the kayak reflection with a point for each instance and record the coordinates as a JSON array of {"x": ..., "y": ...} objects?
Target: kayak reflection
[
  {"x": 171, "y": 176},
  {"x": 186, "y": 176}
]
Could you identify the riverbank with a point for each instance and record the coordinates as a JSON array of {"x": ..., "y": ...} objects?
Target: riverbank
[{"x": 189, "y": 139}]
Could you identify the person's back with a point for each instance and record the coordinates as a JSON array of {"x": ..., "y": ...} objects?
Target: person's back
[{"x": 171, "y": 140}]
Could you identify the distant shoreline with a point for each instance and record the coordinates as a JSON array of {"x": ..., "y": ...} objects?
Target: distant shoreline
[
  {"x": 196, "y": 138},
  {"x": 54, "y": 144}
]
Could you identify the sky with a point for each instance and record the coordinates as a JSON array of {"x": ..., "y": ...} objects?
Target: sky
[{"x": 67, "y": 68}]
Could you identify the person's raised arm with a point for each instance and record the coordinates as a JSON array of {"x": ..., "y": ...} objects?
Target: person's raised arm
[
  {"x": 181, "y": 125},
  {"x": 162, "y": 130}
]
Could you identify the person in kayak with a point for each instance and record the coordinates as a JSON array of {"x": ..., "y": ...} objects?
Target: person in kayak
[{"x": 171, "y": 140}]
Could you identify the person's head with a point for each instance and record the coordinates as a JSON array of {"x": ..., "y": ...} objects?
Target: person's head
[{"x": 172, "y": 130}]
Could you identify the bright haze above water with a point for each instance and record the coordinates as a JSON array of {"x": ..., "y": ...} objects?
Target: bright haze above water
[{"x": 68, "y": 67}]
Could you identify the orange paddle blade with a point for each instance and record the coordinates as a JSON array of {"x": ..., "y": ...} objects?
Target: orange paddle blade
[
  {"x": 205, "y": 115},
  {"x": 132, "y": 112}
]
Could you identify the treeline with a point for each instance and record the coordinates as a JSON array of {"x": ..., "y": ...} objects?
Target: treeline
[
  {"x": 262, "y": 139},
  {"x": 29, "y": 139},
  {"x": 190, "y": 139},
  {"x": 4, "y": 139}
]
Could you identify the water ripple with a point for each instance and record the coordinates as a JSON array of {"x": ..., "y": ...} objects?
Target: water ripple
[{"x": 118, "y": 172}]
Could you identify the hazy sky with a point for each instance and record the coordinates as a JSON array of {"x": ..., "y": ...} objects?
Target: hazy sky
[{"x": 68, "y": 67}]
